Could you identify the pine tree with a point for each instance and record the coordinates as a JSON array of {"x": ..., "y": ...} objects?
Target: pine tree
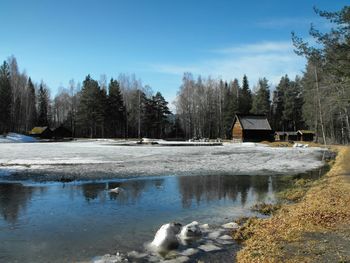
[
  {"x": 291, "y": 115},
  {"x": 31, "y": 108},
  {"x": 278, "y": 104},
  {"x": 162, "y": 112},
  {"x": 261, "y": 100},
  {"x": 5, "y": 98},
  {"x": 116, "y": 109},
  {"x": 90, "y": 113},
  {"x": 245, "y": 97},
  {"x": 230, "y": 105},
  {"x": 43, "y": 106}
]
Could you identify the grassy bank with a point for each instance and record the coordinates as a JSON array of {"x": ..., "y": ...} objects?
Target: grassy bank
[{"x": 315, "y": 229}]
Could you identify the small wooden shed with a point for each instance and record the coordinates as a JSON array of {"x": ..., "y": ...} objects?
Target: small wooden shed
[
  {"x": 61, "y": 132},
  {"x": 305, "y": 135},
  {"x": 280, "y": 136},
  {"x": 41, "y": 132},
  {"x": 251, "y": 128}
]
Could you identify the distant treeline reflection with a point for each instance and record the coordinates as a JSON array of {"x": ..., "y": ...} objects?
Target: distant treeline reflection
[{"x": 192, "y": 190}]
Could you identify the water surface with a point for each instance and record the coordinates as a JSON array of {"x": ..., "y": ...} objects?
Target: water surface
[{"x": 65, "y": 222}]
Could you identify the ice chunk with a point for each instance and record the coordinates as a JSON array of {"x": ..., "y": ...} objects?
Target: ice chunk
[
  {"x": 209, "y": 247},
  {"x": 166, "y": 237},
  {"x": 189, "y": 252},
  {"x": 214, "y": 234},
  {"x": 225, "y": 237},
  {"x": 231, "y": 225},
  {"x": 190, "y": 231}
]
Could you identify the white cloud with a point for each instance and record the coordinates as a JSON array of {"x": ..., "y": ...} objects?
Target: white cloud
[{"x": 264, "y": 59}]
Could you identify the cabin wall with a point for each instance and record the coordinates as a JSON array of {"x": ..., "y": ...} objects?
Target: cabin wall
[
  {"x": 237, "y": 131},
  {"x": 258, "y": 135}
]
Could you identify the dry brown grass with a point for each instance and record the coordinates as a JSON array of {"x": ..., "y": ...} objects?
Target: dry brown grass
[
  {"x": 290, "y": 144},
  {"x": 297, "y": 231}
]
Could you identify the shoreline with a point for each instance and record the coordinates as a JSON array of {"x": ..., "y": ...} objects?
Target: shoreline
[{"x": 315, "y": 228}]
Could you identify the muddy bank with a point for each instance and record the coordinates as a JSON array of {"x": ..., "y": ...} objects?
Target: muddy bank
[{"x": 315, "y": 229}]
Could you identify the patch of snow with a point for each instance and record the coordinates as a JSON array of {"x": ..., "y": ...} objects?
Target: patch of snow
[
  {"x": 98, "y": 159},
  {"x": 300, "y": 145}
]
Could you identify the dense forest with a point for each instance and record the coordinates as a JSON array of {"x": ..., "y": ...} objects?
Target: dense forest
[{"x": 318, "y": 100}]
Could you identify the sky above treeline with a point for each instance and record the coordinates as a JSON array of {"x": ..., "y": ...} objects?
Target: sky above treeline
[{"x": 158, "y": 40}]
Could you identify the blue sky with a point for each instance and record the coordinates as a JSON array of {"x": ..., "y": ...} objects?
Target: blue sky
[{"x": 158, "y": 40}]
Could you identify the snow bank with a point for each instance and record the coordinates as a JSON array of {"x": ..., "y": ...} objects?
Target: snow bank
[
  {"x": 99, "y": 159},
  {"x": 15, "y": 137}
]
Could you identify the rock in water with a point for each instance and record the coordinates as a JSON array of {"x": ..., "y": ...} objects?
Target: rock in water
[
  {"x": 166, "y": 237},
  {"x": 190, "y": 231}
]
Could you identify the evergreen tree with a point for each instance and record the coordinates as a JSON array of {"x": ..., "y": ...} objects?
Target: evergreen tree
[
  {"x": 278, "y": 104},
  {"x": 261, "y": 100},
  {"x": 31, "y": 108},
  {"x": 292, "y": 115},
  {"x": 43, "y": 106},
  {"x": 162, "y": 112},
  {"x": 245, "y": 97},
  {"x": 5, "y": 98},
  {"x": 116, "y": 109},
  {"x": 90, "y": 113},
  {"x": 327, "y": 77},
  {"x": 230, "y": 105}
]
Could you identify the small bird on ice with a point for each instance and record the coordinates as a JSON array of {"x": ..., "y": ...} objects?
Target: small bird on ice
[{"x": 116, "y": 190}]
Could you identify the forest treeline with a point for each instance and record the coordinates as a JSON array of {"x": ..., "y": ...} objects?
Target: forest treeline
[{"x": 318, "y": 100}]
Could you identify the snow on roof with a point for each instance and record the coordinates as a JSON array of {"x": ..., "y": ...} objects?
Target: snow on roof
[{"x": 254, "y": 122}]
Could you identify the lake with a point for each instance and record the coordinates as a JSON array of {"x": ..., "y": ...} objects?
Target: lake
[{"x": 76, "y": 221}]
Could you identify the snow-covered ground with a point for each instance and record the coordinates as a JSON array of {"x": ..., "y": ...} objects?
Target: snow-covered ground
[{"x": 107, "y": 159}]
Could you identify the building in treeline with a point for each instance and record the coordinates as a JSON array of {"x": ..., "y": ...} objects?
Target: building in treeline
[{"x": 251, "y": 128}]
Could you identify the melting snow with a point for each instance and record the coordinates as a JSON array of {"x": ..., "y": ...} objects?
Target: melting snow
[{"x": 106, "y": 159}]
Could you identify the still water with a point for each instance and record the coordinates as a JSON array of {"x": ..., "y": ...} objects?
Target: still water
[{"x": 69, "y": 222}]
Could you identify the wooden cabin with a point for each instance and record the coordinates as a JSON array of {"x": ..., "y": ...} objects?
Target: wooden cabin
[
  {"x": 61, "y": 132},
  {"x": 251, "y": 128},
  {"x": 286, "y": 136},
  {"x": 305, "y": 135},
  {"x": 41, "y": 132},
  {"x": 280, "y": 136}
]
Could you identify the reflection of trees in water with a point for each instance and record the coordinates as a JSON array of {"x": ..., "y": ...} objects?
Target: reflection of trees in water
[
  {"x": 14, "y": 198},
  {"x": 130, "y": 193},
  {"x": 93, "y": 190},
  {"x": 282, "y": 182},
  {"x": 260, "y": 186},
  {"x": 217, "y": 187}
]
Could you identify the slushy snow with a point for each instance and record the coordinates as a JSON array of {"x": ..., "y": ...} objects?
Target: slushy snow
[{"x": 107, "y": 159}]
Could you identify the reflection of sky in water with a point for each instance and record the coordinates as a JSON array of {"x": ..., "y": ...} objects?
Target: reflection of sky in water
[{"x": 76, "y": 221}]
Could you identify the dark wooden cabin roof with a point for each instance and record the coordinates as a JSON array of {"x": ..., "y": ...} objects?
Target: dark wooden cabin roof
[{"x": 252, "y": 122}]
